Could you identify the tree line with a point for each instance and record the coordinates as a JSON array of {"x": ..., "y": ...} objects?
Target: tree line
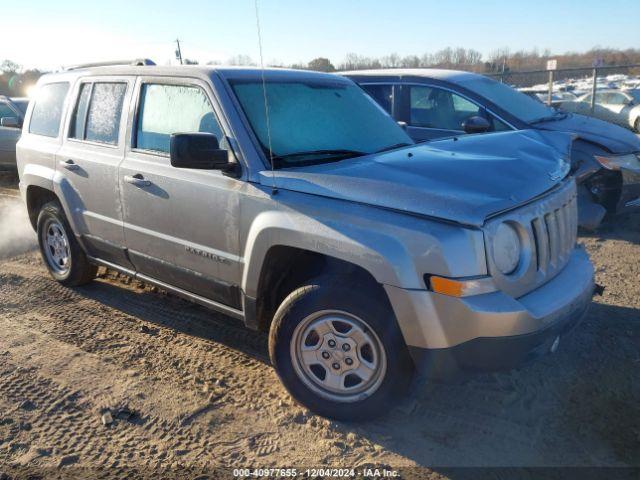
[{"x": 15, "y": 81}]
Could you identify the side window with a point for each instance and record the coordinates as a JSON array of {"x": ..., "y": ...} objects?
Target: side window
[
  {"x": 601, "y": 97},
  {"x": 47, "y": 112},
  {"x": 436, "y": 108},
  {"x": 98, "y": 112},
  {"x": 382, "y": 94},
  {"x": 167, "y": 109}
]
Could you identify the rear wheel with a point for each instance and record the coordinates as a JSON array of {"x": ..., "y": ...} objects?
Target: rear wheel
[
  {"x": 338, "y": 350},
  {"x": 63, "y": 256}
]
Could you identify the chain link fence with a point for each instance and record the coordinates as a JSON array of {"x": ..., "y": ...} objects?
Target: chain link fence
[{"x": 566, "y": 79}]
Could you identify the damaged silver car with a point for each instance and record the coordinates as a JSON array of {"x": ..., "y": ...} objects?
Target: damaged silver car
[{"x": 437, "y": 103}]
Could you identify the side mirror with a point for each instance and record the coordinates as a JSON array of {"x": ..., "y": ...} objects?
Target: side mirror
[
  {"x": 403, "y": 125},
  {"x": 476, "y": 124},
  {"x": 10, "y": 122},
  {"x": 197, "y": 150}
]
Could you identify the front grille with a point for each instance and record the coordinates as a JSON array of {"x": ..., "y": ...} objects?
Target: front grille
[
  {"x": 554, "y": 236},
  {"x": 548, "y": 229}
]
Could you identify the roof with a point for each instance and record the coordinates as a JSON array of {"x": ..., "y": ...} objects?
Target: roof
[
  {"x": 198, "y": 71},
  {"x": 434, "y": 73}
]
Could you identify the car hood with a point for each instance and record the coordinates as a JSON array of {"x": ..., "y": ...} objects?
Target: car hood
[
  {"x": 612, "y": 137},
  {"x": 461, "y": 179}
]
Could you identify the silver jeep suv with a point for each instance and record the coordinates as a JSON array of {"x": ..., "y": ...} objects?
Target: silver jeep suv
[{"x": 290, "y": 201}]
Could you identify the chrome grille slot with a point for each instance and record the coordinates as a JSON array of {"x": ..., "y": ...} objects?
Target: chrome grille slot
[
  {"x": 541, "y": 239},
  {"x": 552, "y": 229}
]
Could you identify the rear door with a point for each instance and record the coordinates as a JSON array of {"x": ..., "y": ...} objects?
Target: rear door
[
  {"x": 92, "y": 149},
  {"x": 181, "y": 225}
]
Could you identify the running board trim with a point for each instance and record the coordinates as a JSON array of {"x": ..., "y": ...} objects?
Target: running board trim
[{"x": 205, "y": 302}]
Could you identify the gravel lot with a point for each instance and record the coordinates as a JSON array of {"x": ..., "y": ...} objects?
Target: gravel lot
[{"x": 188, "y": 387}]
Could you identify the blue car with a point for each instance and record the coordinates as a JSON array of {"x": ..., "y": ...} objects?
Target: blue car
[{"x": 437, "y": 104}]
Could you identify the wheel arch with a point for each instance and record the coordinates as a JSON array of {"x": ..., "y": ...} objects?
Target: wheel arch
[
  {"x": 285, "y": 268},
  {"x": 36, "y": 197}
]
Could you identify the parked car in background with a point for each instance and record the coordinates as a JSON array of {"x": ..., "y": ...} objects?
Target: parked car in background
[
  {"x": 557, "y": 97},
  {"x": 443, "y": 103},
  {"x": 12, "y": 112},
  {"x": 365, "y": 256},
  {"x": 618, "y": 106}
]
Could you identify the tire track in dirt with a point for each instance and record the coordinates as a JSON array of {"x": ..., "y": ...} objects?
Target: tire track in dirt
[
  {"x": 87, "y": 320},
  {"x": 121, "y": 340}
]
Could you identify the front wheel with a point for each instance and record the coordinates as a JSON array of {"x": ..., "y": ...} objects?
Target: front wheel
[
  {"x": 338, "y": 350},
  {"x": 63, "y": 256}
]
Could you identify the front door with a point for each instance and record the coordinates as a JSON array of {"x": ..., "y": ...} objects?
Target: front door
[
  {"x": 432, "y": 112},
  {"x": 92, "y": 149},
  {"x": 181, "y": 225}
]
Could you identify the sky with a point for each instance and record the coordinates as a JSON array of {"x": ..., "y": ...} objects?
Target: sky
[{"x": 48, "y": 34}]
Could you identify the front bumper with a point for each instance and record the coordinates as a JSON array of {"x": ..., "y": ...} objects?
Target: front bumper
[{"x": 447, "y": 335}]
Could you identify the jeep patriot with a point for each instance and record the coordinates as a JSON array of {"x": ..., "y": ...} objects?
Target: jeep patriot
[{"x": 292, "y": 202}]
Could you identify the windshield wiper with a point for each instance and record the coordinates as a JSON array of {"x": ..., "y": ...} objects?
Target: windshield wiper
[
  {"x": 392, "y": 147},
  {"x": 327, "y": 156}
]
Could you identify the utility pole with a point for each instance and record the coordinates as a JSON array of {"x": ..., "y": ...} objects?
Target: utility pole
[{"x": 178, "y": 51}]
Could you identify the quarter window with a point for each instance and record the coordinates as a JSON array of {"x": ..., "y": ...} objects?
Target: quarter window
[
  {"x": 167, "y": 109},
  {"x": 439, "y": 109},
  {"x": 47, "y": 112},
  {"x": 98, "y": 112}
]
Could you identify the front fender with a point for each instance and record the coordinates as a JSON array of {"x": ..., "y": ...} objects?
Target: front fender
[
  {"x": 396, "y": 249},
  {"x": 279, "y": 229}
]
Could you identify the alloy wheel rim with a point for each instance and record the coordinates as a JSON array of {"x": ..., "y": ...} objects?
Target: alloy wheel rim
[
  {"x": 56, "y": 247},
  {"x": 338, "y": 356}
]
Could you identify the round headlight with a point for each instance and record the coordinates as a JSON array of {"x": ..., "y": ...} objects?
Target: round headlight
[{"x": 506, "y": 248}]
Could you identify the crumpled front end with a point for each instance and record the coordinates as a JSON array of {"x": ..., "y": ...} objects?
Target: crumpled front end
[{"x": 626, "y": 170}]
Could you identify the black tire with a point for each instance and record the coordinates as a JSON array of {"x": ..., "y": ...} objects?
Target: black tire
[
  {"x": 78, "y": 271},
  {"x": 637, "y": 125},
  {"x": 362, "y": 301}
]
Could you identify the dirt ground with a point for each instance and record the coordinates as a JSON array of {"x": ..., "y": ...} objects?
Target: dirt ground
[{"x": 189, "y": 387}]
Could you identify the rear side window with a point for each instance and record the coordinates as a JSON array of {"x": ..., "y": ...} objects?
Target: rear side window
[
  {"x": 383, "y": 94},
  {"x": 167, "y": 109},
  {"x": 97, "y": 115},
  {"x": 47, "y": 111}
]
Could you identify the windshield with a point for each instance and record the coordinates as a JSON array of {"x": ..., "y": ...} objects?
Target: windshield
[
  {"x": 509, "y": 99},
  {"x": 317, "y": 121}
]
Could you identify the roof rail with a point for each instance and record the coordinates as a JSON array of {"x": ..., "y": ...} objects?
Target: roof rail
[{"x": 138, "y": 62}]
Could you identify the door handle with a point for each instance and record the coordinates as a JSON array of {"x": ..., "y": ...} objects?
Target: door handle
[
  {"x": 138, "y": 180},
  {"x": 69, "y": 164}
]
